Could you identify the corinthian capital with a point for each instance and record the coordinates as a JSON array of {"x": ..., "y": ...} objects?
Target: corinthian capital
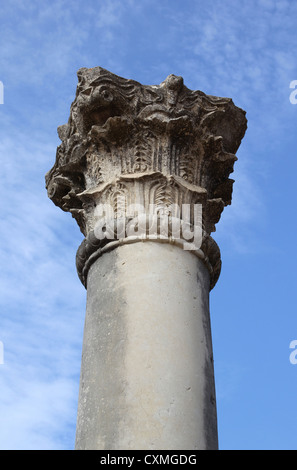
[{"x": 129, "y": 145}]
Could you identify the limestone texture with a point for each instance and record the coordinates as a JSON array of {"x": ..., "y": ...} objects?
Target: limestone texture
[
  {"x": 147, "y": 368},
  {"x": 129, "y": 144},
  {"x": 135, "y": 164}
]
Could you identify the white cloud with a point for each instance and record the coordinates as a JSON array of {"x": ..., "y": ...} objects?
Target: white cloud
[
  {"x": 41, "y": 313},
  {"x": 37, "y": 411}
]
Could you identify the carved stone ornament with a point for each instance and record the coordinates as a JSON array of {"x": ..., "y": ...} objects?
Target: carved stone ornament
[{"x": 129, "y": 146}]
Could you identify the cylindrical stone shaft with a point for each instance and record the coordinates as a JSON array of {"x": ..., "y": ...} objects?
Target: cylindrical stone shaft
[{"x": 147, "y": 379}]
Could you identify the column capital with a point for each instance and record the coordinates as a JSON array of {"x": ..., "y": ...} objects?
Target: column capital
[{"x": 131, "y": 147}]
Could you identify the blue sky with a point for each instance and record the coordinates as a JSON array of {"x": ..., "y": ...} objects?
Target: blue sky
[{"x": 244, "y": 50}]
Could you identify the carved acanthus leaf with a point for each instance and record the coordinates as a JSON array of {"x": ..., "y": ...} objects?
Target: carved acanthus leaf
[{"x": 128, "y": 143}]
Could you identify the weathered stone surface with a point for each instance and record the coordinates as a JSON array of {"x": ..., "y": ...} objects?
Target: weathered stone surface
[
  {"x": 134, "y": 163},
  {"x": 147, "y": 378},
  {"x": 127, "y": 143}
]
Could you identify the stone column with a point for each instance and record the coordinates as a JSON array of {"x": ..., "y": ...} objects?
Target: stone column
[{"x": 145, "y": 170}]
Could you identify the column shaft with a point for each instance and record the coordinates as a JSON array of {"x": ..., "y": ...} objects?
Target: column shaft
[{"x": 147, "y": 378}]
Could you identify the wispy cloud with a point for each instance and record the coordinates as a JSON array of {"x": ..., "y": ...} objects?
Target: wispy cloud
[
  {"x": 53, "y": 38},
  {"x": 41, "y": 316},
  {"x": 245, "y": 52}
]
